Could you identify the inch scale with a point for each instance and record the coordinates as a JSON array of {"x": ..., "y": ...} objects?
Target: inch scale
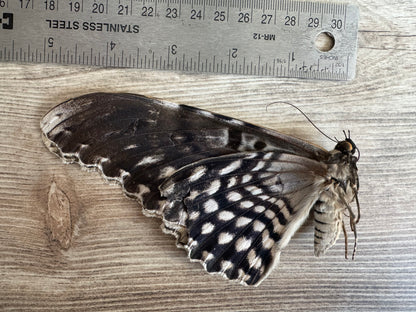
[{"x": 245, "y": 37}]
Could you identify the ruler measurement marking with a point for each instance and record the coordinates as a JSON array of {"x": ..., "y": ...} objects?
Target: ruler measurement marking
[
  {"x": 106, "y": 55},
  {"x": 155, "y": 8},
  {"x": 348, "y": 60},
  {"x": 13, "y": 50},
  {"x": 258, "y": 66},
  {"x": 199, "y": 58},
  {"x": 345, "y": 22},
  {"x": 252, "y": 4},
  {"x": 298, "y": 19}
]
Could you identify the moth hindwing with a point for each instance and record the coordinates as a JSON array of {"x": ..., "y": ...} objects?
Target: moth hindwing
[{"x": 232, "y": 193}]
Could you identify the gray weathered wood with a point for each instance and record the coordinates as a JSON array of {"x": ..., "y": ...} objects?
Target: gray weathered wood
[{"x": 81, "y": 245}]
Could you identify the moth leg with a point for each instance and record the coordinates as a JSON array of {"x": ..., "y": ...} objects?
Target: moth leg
[
  {"x": 353, "y": 222},
  {"x": 358, "y": 207},
  {"x": 344, "y": 230}
]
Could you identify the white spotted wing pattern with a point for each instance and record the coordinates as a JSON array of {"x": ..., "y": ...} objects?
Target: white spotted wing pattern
[{"x": 232, "y": 193}]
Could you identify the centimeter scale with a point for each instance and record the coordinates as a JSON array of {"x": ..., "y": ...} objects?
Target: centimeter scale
[{"x": 245, "y": 37}]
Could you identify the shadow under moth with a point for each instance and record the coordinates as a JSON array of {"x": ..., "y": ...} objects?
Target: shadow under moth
[{"x": 232, "y": 193}]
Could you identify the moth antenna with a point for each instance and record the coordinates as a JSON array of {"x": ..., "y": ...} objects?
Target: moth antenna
[
  {"x": 358, "y": 151},
  {"x": 307, "y": 118}
]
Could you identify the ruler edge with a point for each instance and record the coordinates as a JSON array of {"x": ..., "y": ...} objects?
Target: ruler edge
[{"x": 349, "y": 74}]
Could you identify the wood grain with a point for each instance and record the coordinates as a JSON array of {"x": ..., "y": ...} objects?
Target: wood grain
[{"x": 71, "y": 242}]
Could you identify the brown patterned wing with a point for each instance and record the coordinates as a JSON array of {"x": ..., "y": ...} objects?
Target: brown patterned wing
[{"x": 139, "y": 142}]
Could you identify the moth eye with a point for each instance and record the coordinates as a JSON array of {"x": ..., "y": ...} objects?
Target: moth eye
[{"x": 348, "y": 146}]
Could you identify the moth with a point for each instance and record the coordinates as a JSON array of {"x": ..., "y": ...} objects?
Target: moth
[{"x": 233, "y": 194}]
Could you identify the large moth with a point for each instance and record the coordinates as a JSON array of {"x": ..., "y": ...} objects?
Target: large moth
[{"x": 232, "y": 193}]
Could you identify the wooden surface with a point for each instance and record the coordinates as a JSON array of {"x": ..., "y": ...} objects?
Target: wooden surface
[{"x": 106, "y": 256}]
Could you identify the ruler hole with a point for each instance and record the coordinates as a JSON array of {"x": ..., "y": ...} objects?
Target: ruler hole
[{"x": 324, "y": 41}]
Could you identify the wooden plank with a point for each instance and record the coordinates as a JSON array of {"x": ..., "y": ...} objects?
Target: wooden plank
[{"x": 114, "y": 258}]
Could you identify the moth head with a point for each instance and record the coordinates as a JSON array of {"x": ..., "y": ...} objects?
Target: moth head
[{"x": 346, "y": 147}]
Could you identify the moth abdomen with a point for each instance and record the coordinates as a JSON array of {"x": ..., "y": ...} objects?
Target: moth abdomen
[{"x": 328, "y": 226}]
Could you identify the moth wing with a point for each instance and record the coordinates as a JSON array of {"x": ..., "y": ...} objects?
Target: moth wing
[
  {"x": 139, "y": 142},
  {"x": 235, "y": 213}
]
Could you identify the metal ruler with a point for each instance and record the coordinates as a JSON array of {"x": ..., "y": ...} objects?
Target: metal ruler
[{"x": 245, "y": 37}]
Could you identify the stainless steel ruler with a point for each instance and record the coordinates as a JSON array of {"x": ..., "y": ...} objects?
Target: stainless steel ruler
[{"x": 277, "y": 38}]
